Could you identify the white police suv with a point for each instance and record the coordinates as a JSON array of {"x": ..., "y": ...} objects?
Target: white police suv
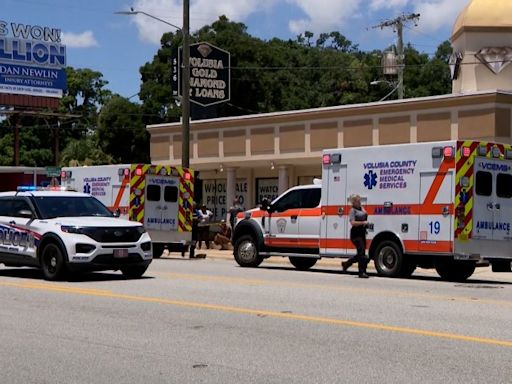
[{"x": 61, "y": 231}]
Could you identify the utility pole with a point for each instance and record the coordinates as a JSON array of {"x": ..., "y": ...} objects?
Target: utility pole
[
  {"x": 185, "y": 107},
  {"x": 398, "y": 26}
]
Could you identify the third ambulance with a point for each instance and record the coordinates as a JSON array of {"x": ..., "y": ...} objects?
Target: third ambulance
[
  {"x": 444, "y": 205},
  {"x": 160, "y": 197}
]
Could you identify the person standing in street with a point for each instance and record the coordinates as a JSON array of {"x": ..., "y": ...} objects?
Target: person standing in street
[
  {"x": 359, "y": 221},
  {"x": 233, "y": 211}
]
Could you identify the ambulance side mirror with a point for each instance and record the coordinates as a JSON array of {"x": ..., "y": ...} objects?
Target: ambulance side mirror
[{"x": 265, "y": 205}]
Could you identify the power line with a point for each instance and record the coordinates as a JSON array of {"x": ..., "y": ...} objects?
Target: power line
[{"x": 398, "y": 26}]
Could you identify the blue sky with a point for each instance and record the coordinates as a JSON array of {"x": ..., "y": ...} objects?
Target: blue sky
[{"x": 117, "y": 45}]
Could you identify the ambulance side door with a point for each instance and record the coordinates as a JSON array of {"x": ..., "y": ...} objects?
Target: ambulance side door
[
  {"x": 283, "y": 221},
  {"x": 310, "y": 219}
]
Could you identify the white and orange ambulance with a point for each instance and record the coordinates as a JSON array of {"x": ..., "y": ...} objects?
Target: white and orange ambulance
[
  {"x": 159, "y": 197},
  {"x": 444, "y": 205}
]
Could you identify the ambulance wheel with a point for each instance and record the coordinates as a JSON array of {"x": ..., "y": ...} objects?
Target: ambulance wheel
[
  {"x": 389, "y": 259},
  {"x": 246, "y": 252},
  {"x": 456, "y": 271},
  {"x": 133, "y": 272},
  {"x": 158, "y": 249},
  {"x": 302, "y": 263},
  {"x": 408, "y": 268},
  {"x": 53, "y": 263}
]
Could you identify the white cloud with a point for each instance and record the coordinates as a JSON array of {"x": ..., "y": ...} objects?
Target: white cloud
[
  {"x": 436, "y": 14},
  {"x": 323, "y": 15},
  {"x": 202, "y": 12},
  {"x": 319, "y": 15},
  {"x": 377, "y": 5},
  {"x": 79, "y": 40}
]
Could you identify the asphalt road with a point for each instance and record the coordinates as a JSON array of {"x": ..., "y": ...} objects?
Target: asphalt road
[{"x": 209, "y": 321}]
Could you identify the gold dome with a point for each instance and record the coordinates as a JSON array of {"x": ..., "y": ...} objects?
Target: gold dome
[{"x": 484, "y": 15}]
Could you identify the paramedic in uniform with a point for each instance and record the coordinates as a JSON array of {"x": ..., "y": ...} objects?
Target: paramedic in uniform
[{"x": 358, "y": 220}]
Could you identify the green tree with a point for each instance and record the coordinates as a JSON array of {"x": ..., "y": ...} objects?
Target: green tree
[{"x": 121, "y": 131}]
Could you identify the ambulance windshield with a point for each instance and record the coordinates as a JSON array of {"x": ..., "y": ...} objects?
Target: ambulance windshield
[{"x": 55, "y": 206}]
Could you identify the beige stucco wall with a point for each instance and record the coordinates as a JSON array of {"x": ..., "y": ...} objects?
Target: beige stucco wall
[
  {"x": 324, "y": 135},
  {"x": 394, "y": 130},
  {"x": 476, "y": 124},
  {"x": 208, "y": 144},
  {"x": 357, "y": 133},
  {"x": 292, "y": 138},
  {"x": 262, "y": 141},
  {"x": 433, "y": 127},
  {"x": 160, "y": 148}
]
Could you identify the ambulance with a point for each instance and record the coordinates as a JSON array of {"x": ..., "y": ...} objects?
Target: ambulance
[
  {"x": 159, "y": 197},
  {"x": 443, "y": 205}
]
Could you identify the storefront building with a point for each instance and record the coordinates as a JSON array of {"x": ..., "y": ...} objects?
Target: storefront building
[{"x": 256, "y": 156}]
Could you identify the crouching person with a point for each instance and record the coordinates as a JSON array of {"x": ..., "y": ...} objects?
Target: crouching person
[{"x": 224, "y": 236}]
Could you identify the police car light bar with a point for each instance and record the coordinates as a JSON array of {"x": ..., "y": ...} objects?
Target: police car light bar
[{"x": 32, "y": 188}]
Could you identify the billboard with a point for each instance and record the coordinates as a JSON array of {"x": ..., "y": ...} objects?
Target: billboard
[
  {"x": 210, "y": 74},
  {"x": 32, "y": 60}
]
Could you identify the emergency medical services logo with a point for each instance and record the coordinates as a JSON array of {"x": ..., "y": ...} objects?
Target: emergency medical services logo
[
  {"x": 370, "y": 180},
  {"x": 281, "y": 225}
]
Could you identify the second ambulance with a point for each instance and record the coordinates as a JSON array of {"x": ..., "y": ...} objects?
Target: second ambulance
[{"x": 443, "y": 205}]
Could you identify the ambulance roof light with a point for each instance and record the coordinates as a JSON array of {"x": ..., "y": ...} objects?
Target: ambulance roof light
[
  {"x": 127, "y": 171},
  {"x": 466, "y": 151},
  {"x": 448, "y": 152},
  {"x": 188, "y": 176},
  {"x": 138, "y": 171},
  {"x": 326, "y": 159},
  {"x": 508, "y": 154},
  {"x": 496, "y": 153},
  {"x": 482, "y": 150}
]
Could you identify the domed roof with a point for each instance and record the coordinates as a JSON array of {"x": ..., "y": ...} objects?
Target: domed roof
[{"x": 480, "y": 15}]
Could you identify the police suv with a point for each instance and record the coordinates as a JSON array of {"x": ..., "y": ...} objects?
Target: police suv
[{"x": 61, "y": 231}]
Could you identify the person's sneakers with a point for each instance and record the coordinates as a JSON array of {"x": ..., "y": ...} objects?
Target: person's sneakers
[
  {"x": 345, "y": 265},
  {"x": 363, "y": 276}
]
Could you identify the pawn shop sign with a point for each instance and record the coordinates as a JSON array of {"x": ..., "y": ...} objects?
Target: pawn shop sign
[{"x": 210, "y": 74}]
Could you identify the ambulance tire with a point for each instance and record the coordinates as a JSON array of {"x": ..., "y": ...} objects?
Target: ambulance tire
[
  {"x": 246, "y": 252},
  {"x": 455, "y": 271},
  {"x": 302, "y": 263},
  {"x": 408, "y": 268},
  {"x": 53, "y": 262},
  {"x": 389, "y": 259},
  {"x": 158, "y": 249}
]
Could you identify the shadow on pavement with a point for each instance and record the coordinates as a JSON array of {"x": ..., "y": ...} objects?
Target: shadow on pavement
[
  {"x": 467, "y": 284},
  {"x": 36, "y": 274}
]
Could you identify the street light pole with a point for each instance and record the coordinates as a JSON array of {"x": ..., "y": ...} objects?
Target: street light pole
[
  {"x": 185, "y": 78},
  {"x": 185, "y": 147}
]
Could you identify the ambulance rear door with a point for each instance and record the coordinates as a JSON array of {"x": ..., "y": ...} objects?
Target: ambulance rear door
[
  {"x": 492, "y": 199},
  {"x": 334, "y": 216},
  {"x": 161, "y": 203}
]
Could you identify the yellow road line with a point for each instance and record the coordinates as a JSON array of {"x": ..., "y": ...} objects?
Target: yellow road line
[
  {"x": 248, "y": 311},
  {"x": 380, "y": 292}
]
